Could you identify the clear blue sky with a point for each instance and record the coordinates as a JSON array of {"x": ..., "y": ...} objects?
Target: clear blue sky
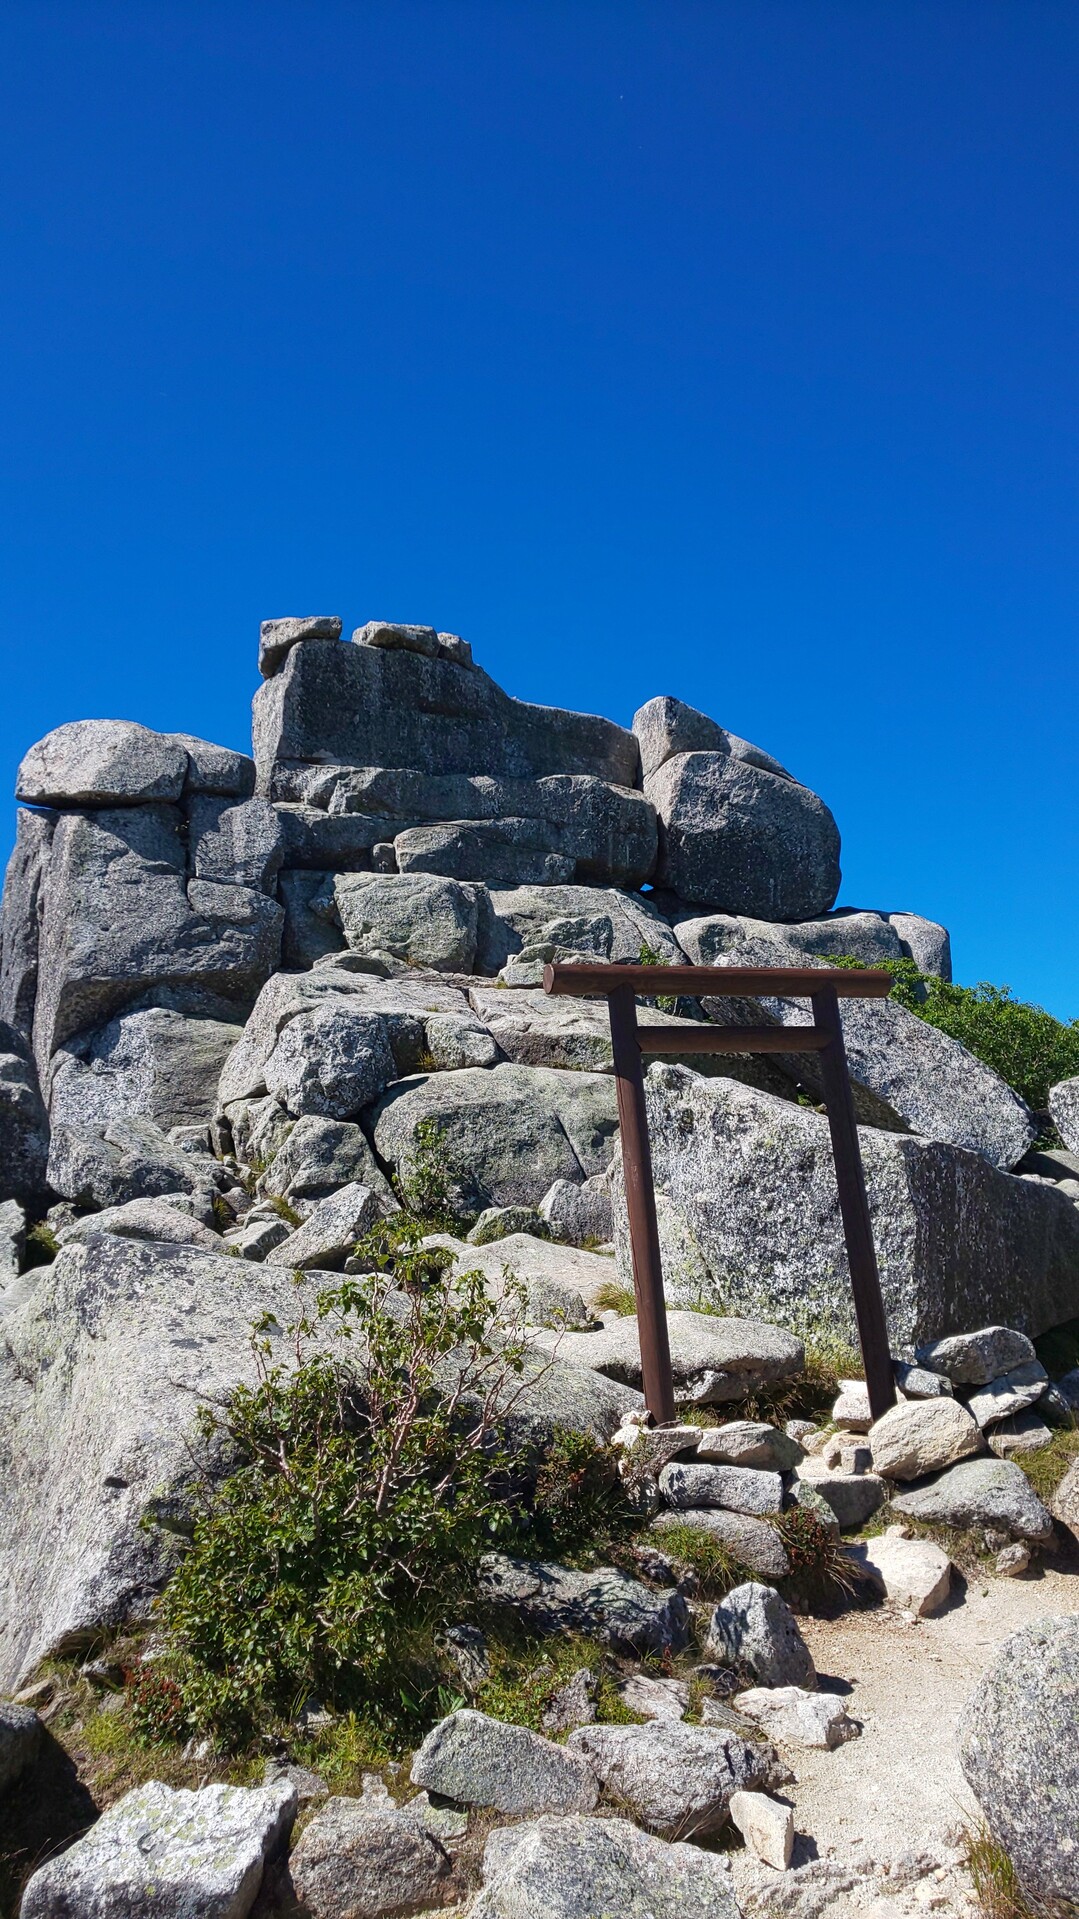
[{"x": 725, "y": 350}]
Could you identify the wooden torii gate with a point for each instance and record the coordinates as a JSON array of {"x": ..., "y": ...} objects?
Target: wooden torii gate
[{"x": 824, "y": 987}]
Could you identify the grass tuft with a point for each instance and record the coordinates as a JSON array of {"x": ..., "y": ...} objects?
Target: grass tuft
[
  {"x": 610, "y": 1297},
  {"x": 1046, "y": 1469}
]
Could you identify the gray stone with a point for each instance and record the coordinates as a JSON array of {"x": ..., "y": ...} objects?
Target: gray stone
[
  {"x": 714, "y": 1359},
  {"x": 755, "y": 1631},
  {"x": 505, "y": 852},
  {"x": 167, "y": 1854},
  {"x": 105, "y": 1360},
  {"x": 749, "y": 1442},
  {"x": 126, "y": 1159},
  {"x": 576, "y": 1868},
  {"x": 753, "y": 1543},
  {"x": 21, "y": 1739},
  {"x": 20, "y": 918},
  {"x": 330, "y": 1060},
  {"x": 467, "y": 1647},
  {"x": 1012, "y": 1393},
  {"x": 405, "y": 639},
  {"x": 711, "y": 939},
  {"x": 307, "y": 1785},
  {"x": 318, "y": 1157},
  {"x": 551, "y": 1396},
  {"x": 312, "y": 928},
  {"x": 485, "y": 1762},
  {"x": 602, "y": 1604},
  {"x": 1065, "y": 1391},
  {"x": 256, "y": 1238},
  {"x": 1051, "y": 1163},
  {"x": 330, "y": 843},
  {"x": 675, "y": 1779},
  {"x": 119, "y": 918},
  {"x": 1017, "y": 1747},
  {"x": 920, "y": 1436},
  {"x": 926, "y": 942},
  {"x": 851, "y": 1497},
  {"x": 794, "y": 1717},
  {"x": 766, "y": 1825},
  {"x": 24, "y": 1125},
  {"x": 278, "y": 637},
  {"x": 980, "y": 1492},
  {"x": 415, "y": 916},
  {"x": 578, "y": 1214},
  {"x": 652, "y": 1698},
  {"x": 102, "y": 763},
  {"x": 665, "y": 726},
  {"x": 1012, "y": 1561},
  {"x": 751, "y": 1180},
  {"x": 1065, "y": 1502},
  {"x": 238, "y": 842},
  {"x": 328, "y": 1236},
  {"x": 1064, "y": 1111},
  {"x": 505, "y": 1134},
  {"x": 644, "y": 1450},
  {"x": 520, "y": 917},
  {"x": 498, "y": 1222},
  {"x": 973, "y": 1359},
  {"x": 152, "y": 1061},
  {"x": 355, "y": 1860},
  {"x": 913, "y": 1573},
  {"x": 741, "y": 839},
  {"x": 12, "y": 1239},
  {"x": 554, "y": 1285},
  {"x": 219, "y": 770},
  {"x": 141, "y": 1219},
  {"x": 738, "y": 1489},
  {"x": 918, "y": 1382},
  {"x": 574, "y": 1704},
  {"x": 534, "y": 1030},
  {"x": 1022, "y": 1433},
  {"x": 371, "y": 706}
]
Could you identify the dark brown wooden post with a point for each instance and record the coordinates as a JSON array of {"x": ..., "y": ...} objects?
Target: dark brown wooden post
[
  {"x": 641, "y": 1207},
  {"x": 854, "y": 1205}
]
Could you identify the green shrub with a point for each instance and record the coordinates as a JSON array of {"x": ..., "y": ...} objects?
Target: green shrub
[
  {"x": 42, "y": 1244},
  {"x": 648, "y": 956},
  {"x": 364, "y": 1498},
  {"x": 1024, "y": 1044},
  {"x": 429, "y": 1183}
]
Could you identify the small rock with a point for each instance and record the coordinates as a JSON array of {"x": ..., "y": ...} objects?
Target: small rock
[
  {"x": 755, "y": 1631},
  {"x": 497, "y": 1222},
  {"x": 467, "y": 1647},
  {"x": 799, "y": 1429},
  {"x": 646, "y": 1450},
  {"x": 973, "y": 1359},
  {"x": 766, "y": 1825},
  {"x": 578, "y": 1868},
  {"x": 675, "y": 1779},
  {"x": 919, "y": 1382},
  {"x": 166, "y": 1854},
  {"x": 445, "y": 1823},
  {"x": 1013, "y": 1560},
  {"x": 980, "y": 1492},
  {"x": 601, "y": 1604},
  {"x": 329, "y": 1234},
  {"x": 654, "y": 1698},
  {"x": 1023, "y": 1433},
  {"x": 749, "y": 1442},
  {"x": 21, "y": 1737},
  {"x": 852, "y": 1410},
  {"x": 278, "y": 637},
  {"x": 740, "y": 1489},
  {"x": 921, "y": 1436},
  {"x": 1066, "y": 1500},
  {"x": 755, "y": 1543},
  {"x": 851, "y": 1497},
  {"x": 912, "y": 1573},
  {"x": 795, "y": 1717},
  {"x": 1012, "y": 1393},
  {"x": 845, "y": 1454},
  {"x": 308, "y": 1786},
  {"x": 485, "y": 1762},
  {"x": 574, "y": 1704},
  {"x": 360, "y": 1860}
]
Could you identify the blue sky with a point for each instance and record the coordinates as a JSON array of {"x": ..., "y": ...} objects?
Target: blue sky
[{"x": 725, "y": 350}]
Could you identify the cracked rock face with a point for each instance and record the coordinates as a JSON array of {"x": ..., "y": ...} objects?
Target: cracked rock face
[{"x": 574, "y": 1868}]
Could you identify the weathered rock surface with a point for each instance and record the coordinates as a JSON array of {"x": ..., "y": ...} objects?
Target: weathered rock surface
[
  {"x": 714, "y": 1359},
  {"x": 1066, "y": 1500},
  {"x": 912, "y": 1573},
  {"x": 358, "y": 1860},
  {"x": 738, "y": 1489},
  {"x": 418, "y": 917},
  {"x": 24, "y": 1125},
  {"x": 240, "y": 843},
  {"x": 486, "y": 1762},
  {"x": 12, "y": 1239},
  {"x": 504, "y": 1135},
  {"x": 1018, "y": 1749},
  {"x": 742, "y": 839},
  {"x": 1064, "y": 1108},
  {"x": 575, "y": 917},
  {"x": 129, "y": 1158},
  {"x": 973, "y": 1359},
  {"x": 1021, "y": 1433},
  {"x": 750, "y": 1180},
  {"x": 795, "y": 1717},
  {"x": 665, "y": 726},
  {"x": 755, "y": 1631},
  {"x": 331, "y": 1060},
  {"x": 602, "y": 1604},
  {"x": 555, "y": 1279},
  {"x": 317, "y": 1158},
  {"x": 576, "y": 1214},
  {"x": 576, "y": 1868},
  {"x": 749, "y": 1442},
  {"x": 766, "y": 1825},
  {"x": 852, "y": 1497},
  {"x": 980, "y": 1492},
  {"x": 753, "y": 1542},
  {"x": 1010, "y": 1394},
  {"x": 21, "y": 1739},
  {"x": 278, "y": 637},
  {"x": 921, "y": 1436},
  {"x": 675, "y": 1779},
  {"x": 329, "y": 1234},
  {"x": 102, "y": 763},
  {"x": 167, "y": 1854},
  {"x": 153, "y": 1061},
  {"x": 142, "y": 1219}
]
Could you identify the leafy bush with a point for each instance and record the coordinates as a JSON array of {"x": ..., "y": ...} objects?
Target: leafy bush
[
  {"x": 429, "y": 1183},
  {"x": 1023, "y": 1043},
  {"x": 372, "y": 1477}
]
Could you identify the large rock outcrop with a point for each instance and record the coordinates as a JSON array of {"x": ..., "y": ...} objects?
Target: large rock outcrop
[{"x": 749, "y": 1220}]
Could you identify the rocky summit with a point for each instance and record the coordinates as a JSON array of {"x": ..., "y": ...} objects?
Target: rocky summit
[{"x": 275, "y": 1055}]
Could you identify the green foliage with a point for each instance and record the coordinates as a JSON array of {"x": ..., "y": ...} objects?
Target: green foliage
[
  {"x": 820, "y": 1568},
  {"x": 429, "y": 1183},
  {"x": 1046, "y": 1468},
  {"x": 610, "y": 1297},
  {"x": 525, "y": 1679},
  {"x": 222, "y": 1212},
  {"x": 648, "y": 956},
  {"x": 996, "y": 1882},
  {"x": 42, "y": 1244},
  {"x": 1024, "y": 1044},
  {"x": 716, "y": 1567},
  {"x": 579, "y": 1503},
  {"x": 372, "y": 1479},
  {"x": 156, "y": 1705},
  {"x": 284, "y": 1211}
]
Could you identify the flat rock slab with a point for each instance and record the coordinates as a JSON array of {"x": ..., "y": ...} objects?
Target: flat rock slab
[
  {"x": 739, "y": 1489},
  {"x": 922, "y": 1435},
  {"x": 766, "y": 1825},
  {"x": 794, "y": 1717},
  {"x": 142, "y": 1219},
  {"x": 1012, "y": 1393},
  {"x": 602, "y": 1604},
  {"x": 980, "y": 1492},
  {"x": 755, "y": 1631},
  {"x": 852, "y": 1497},
  {"x": 485, "y": 1762},
  {"x": 973, "y": 1359},
  {"x": 357, "y": 1857},
  {"x": 1018, "y": 1749},
  {"x": 912, "y": 1573},
  {"x": 675, "y": 1779},
  {"x": 563, "y": 1281},
  {"x": 753, "y": 1543},
  {"x": 168, "y": 1854},
  {"x": 714, "y": 1359},
  {"x": 749, "y": 1442},
  {"x": 576, "y": 1868}
]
